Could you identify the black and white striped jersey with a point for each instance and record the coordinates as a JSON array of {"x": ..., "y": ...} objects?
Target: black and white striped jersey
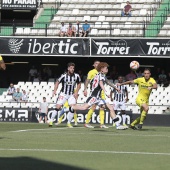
[
  {"x": 69, "y": 82},
  {"x": 95, "y": 86},
  {"x": 120, "y": 96}
]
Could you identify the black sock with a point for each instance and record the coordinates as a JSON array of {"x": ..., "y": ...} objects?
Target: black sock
[{"x": 115, "y": 119}]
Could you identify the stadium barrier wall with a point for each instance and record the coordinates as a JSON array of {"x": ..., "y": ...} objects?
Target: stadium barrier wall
[
  {"x": 79, "y": 47},
  {"x": 31, "y": 115}
]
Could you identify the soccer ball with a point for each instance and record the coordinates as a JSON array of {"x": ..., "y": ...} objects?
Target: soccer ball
[{"x": 134, "y": 65}]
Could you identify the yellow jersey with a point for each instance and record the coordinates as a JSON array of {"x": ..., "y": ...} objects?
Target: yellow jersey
[
  {"x": 143, "y": 85},
  {"x": 91, "y": 74},
  {"x": 1, "y": 58}
]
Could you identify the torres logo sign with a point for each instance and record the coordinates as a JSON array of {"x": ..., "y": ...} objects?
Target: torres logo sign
[
  {"x": 119, "y": 47},
  {"x": 156, "y": 48}
]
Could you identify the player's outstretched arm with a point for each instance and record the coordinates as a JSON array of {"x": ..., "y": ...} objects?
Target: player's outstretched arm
[
  {"x": 2, "y": 65},
  {"x": 55, "y": 88},
  {"x": 111, "y": 84},
  {"x": 85, "y": 86},
  {"x": 126, "y": 82}
]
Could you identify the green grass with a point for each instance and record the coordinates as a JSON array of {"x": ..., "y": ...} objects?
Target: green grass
[{"x": 60, "y": 148}]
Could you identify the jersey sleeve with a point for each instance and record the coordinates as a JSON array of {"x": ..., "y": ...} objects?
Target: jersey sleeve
[
  {"x": 1, "y": 58},
  {"x": 102, "y": 77},
  {"x": 153, "y": 81},
  {"x": 78, "y": 79},
  {"x": 136, "y": 81},
  {"x": 60, "y": 78},
  {"x": 89, "y": 75}
]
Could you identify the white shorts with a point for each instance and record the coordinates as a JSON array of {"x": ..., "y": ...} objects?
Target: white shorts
[
  {"x": 98, "y": 101},
  {"x": 62, "y": 98},
  {"x": 119, "y": 105}
]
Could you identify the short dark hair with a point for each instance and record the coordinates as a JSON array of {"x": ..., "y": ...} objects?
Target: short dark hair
[
  {"x": 70, "y": 64},
  {"x": 147, "y": 69},
  {"x": 44, "y": 97}
]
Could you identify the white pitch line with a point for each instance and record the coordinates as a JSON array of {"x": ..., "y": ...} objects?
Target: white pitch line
[
  {"x": 81, "y": 133},
  {"x": 27, "y": 130},
  {"x": 86, "y": 151},
  {"x": 106, "y": 134}
]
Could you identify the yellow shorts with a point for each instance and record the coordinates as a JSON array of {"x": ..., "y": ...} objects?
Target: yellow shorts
[
  {"x": 66, "y": 104},
  {"x": 140, "y": 101},
  {"x": 103, "y": 95}
]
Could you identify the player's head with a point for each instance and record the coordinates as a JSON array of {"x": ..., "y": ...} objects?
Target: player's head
[
  {"x": 102, "y": 67},
  {"x": 147, "y": 73},
  {"x": 2, "y": 64},
  {"x": 70, "y": 67},
  {"x": 120, "y": 79},
  {"x": 95, "y": 64},
  {"x": 44, "y": 98}
]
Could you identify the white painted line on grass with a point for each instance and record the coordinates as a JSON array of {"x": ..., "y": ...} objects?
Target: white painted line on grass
[
  {"x": 27, "y": 130},
  {"x": 86, "y": 151}
]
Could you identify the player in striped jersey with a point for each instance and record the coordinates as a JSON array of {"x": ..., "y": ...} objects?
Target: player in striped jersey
[
  {"x": 91, "y": 74},
  {"x": 2, "y": 64},
  {"x": 67, "y": 92},
  {"x": 97, "y": 87},
  {"x": 120, "y": 100}
]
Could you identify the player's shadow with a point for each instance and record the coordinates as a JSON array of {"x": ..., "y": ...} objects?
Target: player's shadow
[{"x": 27, "y": 163}]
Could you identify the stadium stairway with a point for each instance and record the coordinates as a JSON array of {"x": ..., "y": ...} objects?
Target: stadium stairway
[{"x": 158, "y": 21}]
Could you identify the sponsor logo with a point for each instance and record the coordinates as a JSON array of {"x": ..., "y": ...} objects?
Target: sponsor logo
[
  {"x": 15, "y": 45},
  {"x": 19, "y": 3},
  {"x": 60, "y": 47},
  {"x": 14, "y": 115},
  {"x": 118, "y": 47},
  {"x": 156, "y": 48}
]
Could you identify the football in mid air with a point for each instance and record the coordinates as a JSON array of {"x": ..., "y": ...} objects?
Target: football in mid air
[{"x": 134, "y": 65}]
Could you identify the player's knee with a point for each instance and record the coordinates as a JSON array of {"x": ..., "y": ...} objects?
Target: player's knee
[{"x": 93, "y": 107}]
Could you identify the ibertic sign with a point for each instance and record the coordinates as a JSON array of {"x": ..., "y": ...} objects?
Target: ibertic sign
[{"x": 42, "y": 46}]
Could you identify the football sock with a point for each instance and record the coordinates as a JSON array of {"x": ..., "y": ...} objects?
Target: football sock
[
  {"x": 101, "y": 115},
  {"x": 54, "y": 114},
  {"x": 89, "y": 115},
  {"x": 75, "y": 117},
  {"x": 136, "y": 121},
  {"x": 142, "y": 117},
  {"x": 62, "y": 112},
  {"x": 60, "y": 118},
  {"x": 115, "y": 119},
  {"x": 70, "y": 117},
  {"x": 117, "y": 123},
  {"x": 124, "y": 118}
]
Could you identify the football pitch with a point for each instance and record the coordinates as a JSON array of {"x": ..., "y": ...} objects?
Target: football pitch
[{"x": 26, "y": 146}]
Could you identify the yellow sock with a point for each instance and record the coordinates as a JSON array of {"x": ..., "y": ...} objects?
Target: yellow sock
[
  {"x": 142, "y": 117},
  {"x": 75, "y": 117},
  {"x": 135, "y": 121},
  {"x": 101, "y": 115},
  {"x": 89, "y": 115},
  {"x": 61, "y": 118}
]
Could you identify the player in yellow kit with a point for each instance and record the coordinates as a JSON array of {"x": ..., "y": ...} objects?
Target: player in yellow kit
[
  {"x": 145, "y": 86},
  {"x": 66, "y": 105},
  {"x": 91, "y": 74},
  {"x": 2, "y": 64}
]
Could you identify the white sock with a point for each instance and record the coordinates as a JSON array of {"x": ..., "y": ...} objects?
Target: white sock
[
  {"x": 70, "y": 117},
  {"x": 54, "y": 114},
  {"x": 124, "y": 118},
  {"x": 117, "y": 123}
]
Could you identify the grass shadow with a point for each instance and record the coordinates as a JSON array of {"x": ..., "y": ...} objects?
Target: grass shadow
[{"x": 27, "y": 163}]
